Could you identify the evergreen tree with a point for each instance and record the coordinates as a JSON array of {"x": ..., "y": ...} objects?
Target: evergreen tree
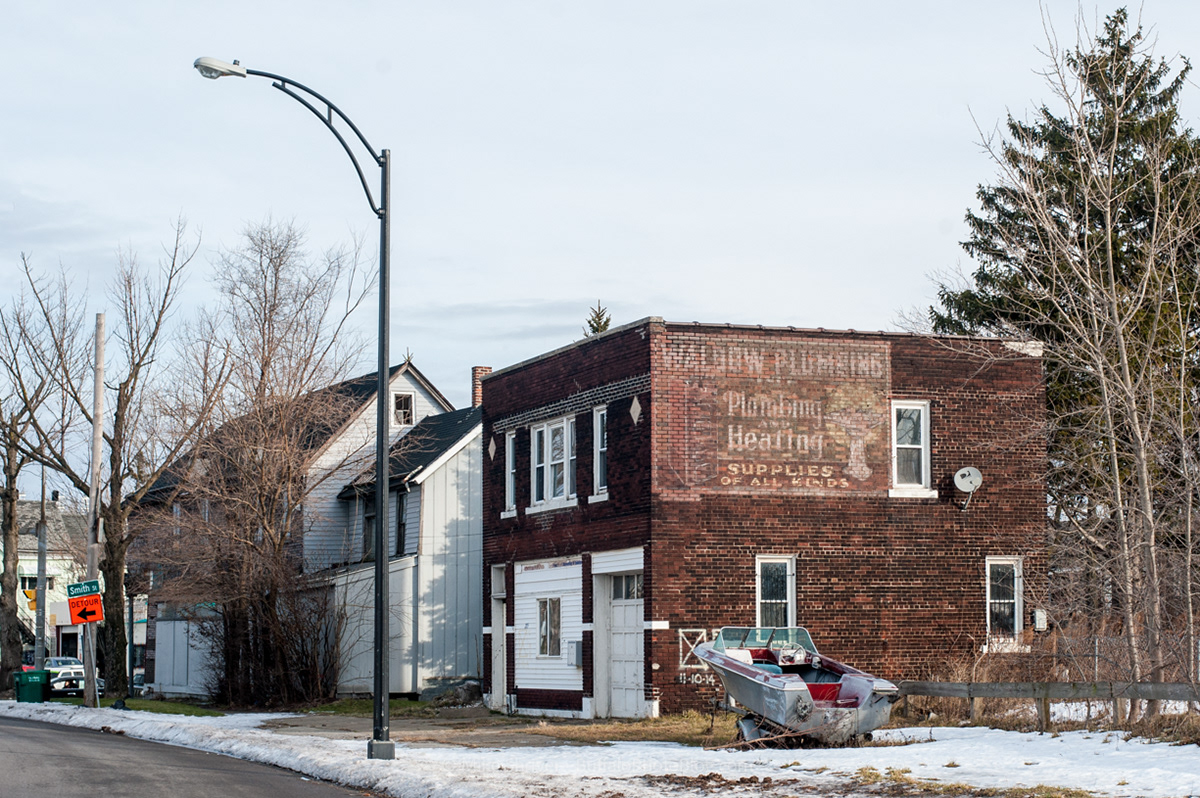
[
  {"x": 1088, "y": 243},
  {"x": 598, "y": 321}
]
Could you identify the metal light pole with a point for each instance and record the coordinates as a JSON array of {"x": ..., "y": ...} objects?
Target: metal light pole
[{"x": 380, "y": 746}]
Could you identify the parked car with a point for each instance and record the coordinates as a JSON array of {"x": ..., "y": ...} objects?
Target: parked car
[{"x": 66, "y": 676}]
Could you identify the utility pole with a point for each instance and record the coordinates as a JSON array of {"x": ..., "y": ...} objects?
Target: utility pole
[
  {"x": 90, "y": 699},
  {"x": 39, "y": 645}
]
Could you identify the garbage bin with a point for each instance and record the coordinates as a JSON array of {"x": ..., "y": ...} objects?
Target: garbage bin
[{"x": 31, "y": 686}]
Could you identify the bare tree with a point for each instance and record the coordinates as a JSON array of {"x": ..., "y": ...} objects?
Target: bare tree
[
  {"x": 145, "y": 425},
  {"x": 1088, "y": 242},
  {"x": 17, "y": 410},
  {"x": 227, "y": 534}
]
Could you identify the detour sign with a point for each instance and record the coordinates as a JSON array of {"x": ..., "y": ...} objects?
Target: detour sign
[{"x": 86, "y": 609}]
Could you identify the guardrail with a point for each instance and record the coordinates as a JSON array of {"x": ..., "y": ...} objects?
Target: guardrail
[{"x": 1119, "y": 693}]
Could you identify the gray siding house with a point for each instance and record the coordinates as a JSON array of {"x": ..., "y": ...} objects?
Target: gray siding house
[{"x": 435, "y": 561}]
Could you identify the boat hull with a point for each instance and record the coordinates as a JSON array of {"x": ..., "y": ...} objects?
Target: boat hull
[{"x": 836, "y": 712}]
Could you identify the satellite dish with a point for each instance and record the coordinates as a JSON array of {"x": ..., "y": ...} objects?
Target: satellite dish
[{"x": 968, "y": 481}]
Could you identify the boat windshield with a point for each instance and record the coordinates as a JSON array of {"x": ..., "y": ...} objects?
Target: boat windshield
[{"x": 780, "y": 638}]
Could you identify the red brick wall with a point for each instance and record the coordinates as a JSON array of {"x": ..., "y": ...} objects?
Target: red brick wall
[
  {"x": 890, "y": 585},
  {"x": 620, "y": 522}
]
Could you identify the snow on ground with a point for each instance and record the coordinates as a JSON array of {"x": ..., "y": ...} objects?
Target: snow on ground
[{"x": 1096, "y": 761}]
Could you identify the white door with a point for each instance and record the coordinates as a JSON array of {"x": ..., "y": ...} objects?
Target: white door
[
  {"x": 499, "y": 699},
  {"x": 627, "y": 642}
]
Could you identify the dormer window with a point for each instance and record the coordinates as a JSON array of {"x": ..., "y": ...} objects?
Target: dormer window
[{"x": 402, "y": 410}]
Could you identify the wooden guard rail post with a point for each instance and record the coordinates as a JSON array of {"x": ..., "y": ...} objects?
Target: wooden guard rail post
[{"x": 1119, "y": 693}]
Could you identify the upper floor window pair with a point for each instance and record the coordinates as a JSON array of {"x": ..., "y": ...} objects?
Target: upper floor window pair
[{"x": 553, "y": 456}]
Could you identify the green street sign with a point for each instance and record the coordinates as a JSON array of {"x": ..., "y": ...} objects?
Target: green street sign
[{"x": 83, "y": 588}]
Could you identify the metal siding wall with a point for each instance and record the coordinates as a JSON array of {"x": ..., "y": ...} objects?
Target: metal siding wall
[
  {"x": 329, "y": 529},
  {"x": 354, "y": 592},
  {"x": 451, "y": 614}
]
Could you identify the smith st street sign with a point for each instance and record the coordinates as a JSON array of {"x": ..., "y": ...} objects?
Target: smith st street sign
[{"x": 90, "y": 587}]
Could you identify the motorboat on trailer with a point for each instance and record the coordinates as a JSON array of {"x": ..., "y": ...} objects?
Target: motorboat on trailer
[{"x": 786, "y": 690}]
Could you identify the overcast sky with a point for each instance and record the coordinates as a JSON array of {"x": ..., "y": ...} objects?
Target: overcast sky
[{"x": 762, "y": 162}]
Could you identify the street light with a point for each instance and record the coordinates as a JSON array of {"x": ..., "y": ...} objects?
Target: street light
[{"x": 380, "y": 746}]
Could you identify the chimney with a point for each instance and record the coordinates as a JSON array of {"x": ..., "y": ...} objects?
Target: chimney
[{"x": 477, "y": 375}]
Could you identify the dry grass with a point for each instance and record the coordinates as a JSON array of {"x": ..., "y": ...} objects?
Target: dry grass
[
  {"x": 690, "y": 728},
  {"x": 365, "y": 707},
  {"x": 898, "y": 781},
  {"x": 1178, "y": 729}
]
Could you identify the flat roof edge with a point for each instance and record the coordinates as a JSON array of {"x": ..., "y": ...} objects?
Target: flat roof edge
[
  {"x": 1010, "y": 342},
  {"x": 575, "y": 344}
]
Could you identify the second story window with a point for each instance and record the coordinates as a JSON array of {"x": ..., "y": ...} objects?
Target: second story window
[
  {"x": 510, "y": 471},
  {"x": 600, "y": 450},
  {"x": 553, "y": 462},
  {"x": 910, "y": 449},
  {"x": 402, "y": 410}
]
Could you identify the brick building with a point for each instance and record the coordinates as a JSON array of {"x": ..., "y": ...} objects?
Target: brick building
[{"x": 647, "y": 486}]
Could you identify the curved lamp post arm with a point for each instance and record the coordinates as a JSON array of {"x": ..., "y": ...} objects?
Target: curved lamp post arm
[
  {"x": 380, "y": 746},
  {"x": 213, "y": 68}
]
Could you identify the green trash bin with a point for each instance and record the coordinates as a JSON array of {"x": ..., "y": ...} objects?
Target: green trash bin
[{"x": 31, "y": 686}]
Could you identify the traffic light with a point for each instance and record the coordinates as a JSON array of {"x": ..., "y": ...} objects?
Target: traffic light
[{"x": 32, "y": 596}]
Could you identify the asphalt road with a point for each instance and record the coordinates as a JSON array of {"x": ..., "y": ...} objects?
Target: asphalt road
[{"x": 45, "y": 760}]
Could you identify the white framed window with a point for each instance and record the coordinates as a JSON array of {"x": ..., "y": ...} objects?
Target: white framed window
[
  {"x": 510, "y": 471},
  {"x": 552, "y": 464},
  {"x": 775, "y": 588},
  {"x": 910, "y": 450},
  {"x": 402, "y": 409},
  {"x": 571, "y": 457},
  {"x": 1005, "y": 602},
  {"x": 549, "y": 627},
  {"x": 600, "y": 450},
  {"x": 176, "y": 519}
]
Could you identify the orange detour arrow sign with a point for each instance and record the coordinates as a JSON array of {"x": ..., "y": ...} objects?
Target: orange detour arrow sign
[{"x": 86, "y": 609}]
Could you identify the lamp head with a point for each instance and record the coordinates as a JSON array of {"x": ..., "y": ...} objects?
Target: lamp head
[{"x": 214, "y": 68}]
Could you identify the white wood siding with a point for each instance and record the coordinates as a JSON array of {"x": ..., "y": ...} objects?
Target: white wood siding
[
  {"x": 562, "y": 579},
  {"x": 617, "y": 561},
  {"x": 330, "y": 536}
]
